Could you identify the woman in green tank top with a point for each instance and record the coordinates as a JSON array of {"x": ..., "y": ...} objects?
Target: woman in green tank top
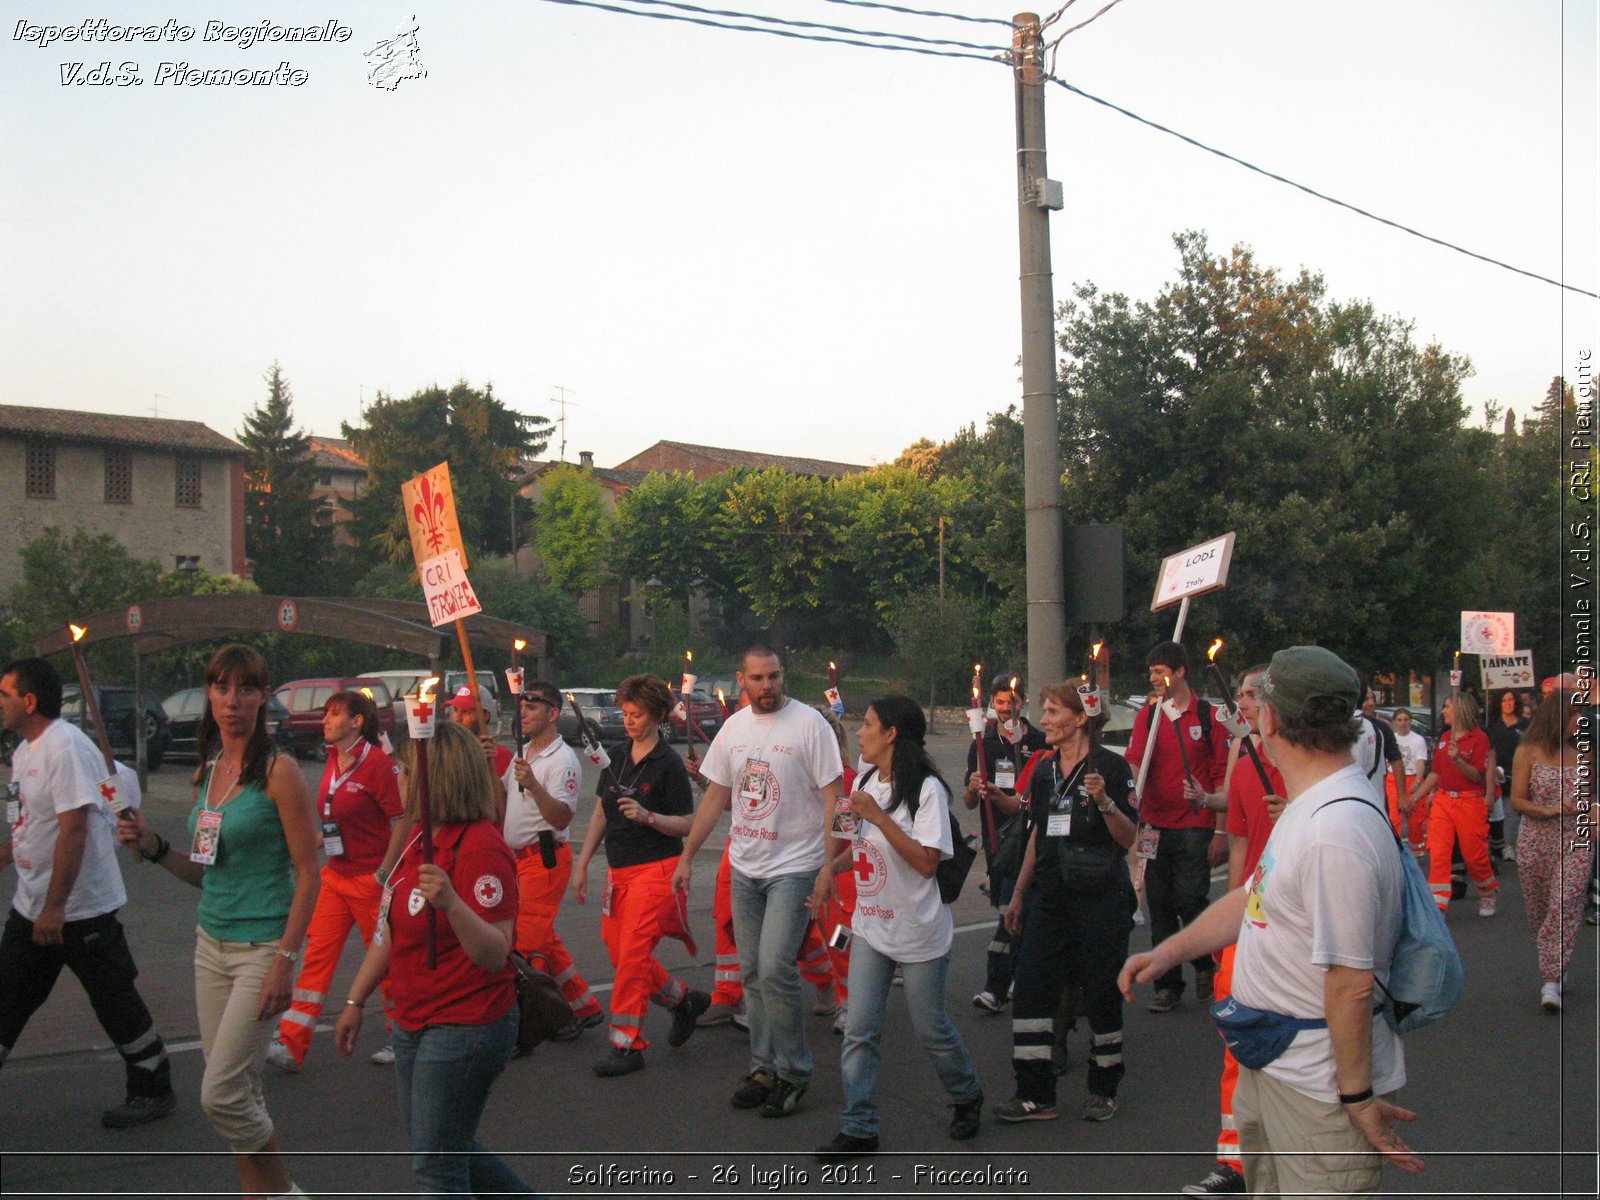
[{"x": 253, "y": 855}]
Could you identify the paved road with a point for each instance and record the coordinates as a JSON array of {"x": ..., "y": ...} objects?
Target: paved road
[{"x": 1503, "y": 1089}]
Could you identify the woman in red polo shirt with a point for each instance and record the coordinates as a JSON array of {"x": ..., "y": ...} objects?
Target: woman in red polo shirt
[
  {"x": 455, "y": 1024},
  {"x": 1462, "y": 763},
  {"x": 363, "y": 830}
]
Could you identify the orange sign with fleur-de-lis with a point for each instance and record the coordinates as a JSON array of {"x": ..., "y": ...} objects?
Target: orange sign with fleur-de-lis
[{"x": 430, "y": 506}]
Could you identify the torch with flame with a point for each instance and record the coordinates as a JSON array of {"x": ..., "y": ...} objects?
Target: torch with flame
[
  {"x": 113, "y": 787},
  {"x": 835, "y": 701},
  {"x": 422, "y": 716}
]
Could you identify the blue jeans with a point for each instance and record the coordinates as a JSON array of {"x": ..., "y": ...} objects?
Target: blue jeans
[
  {"x": 871, "y": 975},
  {"x": 769, "y": 923},
  {"x": 444, "y": 1073}
]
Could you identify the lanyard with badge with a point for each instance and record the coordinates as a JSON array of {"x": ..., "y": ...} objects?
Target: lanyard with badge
[
  {"x": 207, "y": 825},
  {"x": 332, "y": 838},
  {"x": 13, "y": 803},
  {"x": 378, "y": 935},
  {"x": 1058, "y": 823}
]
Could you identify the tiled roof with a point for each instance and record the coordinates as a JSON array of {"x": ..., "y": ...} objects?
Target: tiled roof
[
  {"x": 760, "y": 460},
  {"x": 616, "y": 477},
  {"x": 66, "y": 425},
  {"x": 336, "y": 454}
]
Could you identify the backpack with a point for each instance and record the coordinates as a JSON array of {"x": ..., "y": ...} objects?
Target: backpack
[{"x": 1425, "y": 973}]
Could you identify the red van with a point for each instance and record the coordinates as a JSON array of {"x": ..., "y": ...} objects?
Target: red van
[{"x": 306, "y": 698}]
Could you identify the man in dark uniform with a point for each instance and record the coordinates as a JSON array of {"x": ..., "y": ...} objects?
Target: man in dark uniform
[{"x": 1008, "y": 742}]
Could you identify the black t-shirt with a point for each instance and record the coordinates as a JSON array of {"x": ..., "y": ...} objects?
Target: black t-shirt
[
  {"x": 1000, "y": 757},
  {"x": 1058, "y": 793},
  {"x": 1504, "y": 740},
  {"x": 658, "y": 782}
]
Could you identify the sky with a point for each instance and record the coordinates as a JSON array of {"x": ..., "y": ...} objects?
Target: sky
[{"x": 754, "y": 241}]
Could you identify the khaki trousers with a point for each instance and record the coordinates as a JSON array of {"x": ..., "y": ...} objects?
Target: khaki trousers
[{"x": 1293, "y": 1145}]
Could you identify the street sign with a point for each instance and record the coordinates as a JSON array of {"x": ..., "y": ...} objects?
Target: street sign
[{"x": 1514, "y": 670}]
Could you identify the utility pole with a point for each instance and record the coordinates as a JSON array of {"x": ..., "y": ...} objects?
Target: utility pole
[
  {"x": 1041, "y": 451},
  {"x": 562, "y": 402}
]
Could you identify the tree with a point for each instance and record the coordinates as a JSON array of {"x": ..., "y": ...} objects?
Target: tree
[
  {"x": 781, "y": 537},
  {"x": 664, "y": 538},
  {"x": 572, "y": 529},
  {"x": 484, "y": 442},
  {"x": 939, "y": 640},
  {"x": 282, "y": 537},
  {"x": 68, "y": 576}
]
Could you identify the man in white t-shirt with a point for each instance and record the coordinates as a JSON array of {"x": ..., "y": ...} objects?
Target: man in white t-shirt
[
  {"x": 1315, "y": 925},
  {"x": 776, "y": 762},
  {"x": 541, "y": 799},
  {"x": 69, "y": 888},
  {"x": 1414, "y": 753}
]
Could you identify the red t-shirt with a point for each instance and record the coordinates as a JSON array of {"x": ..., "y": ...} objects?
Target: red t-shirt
[
  {"x": 458, "y": 992},
  {"x": 362, "y": 801},
  {"x": 1162, "y": 803},
  {"x": 1474, "y": 750},
  {"x": 502, "y": 760},
  {"x": 1247, "y": 806}
]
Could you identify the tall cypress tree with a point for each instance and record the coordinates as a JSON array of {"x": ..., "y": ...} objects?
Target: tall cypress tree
[{"x": 282, "y": 535}]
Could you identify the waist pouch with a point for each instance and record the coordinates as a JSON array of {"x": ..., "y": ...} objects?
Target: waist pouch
[
  {"x": 1255, "y": 1036},
  {"x": 1089, "y": 870}
]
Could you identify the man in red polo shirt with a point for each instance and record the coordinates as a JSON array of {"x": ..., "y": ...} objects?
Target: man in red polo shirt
[{"x": 1179, "y": 837}]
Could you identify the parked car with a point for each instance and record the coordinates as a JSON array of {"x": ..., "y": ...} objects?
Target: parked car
[
  {"x": 600, "y": 714},
  {"x": 704, "y": 711},
  {"x": 401, "y": 684},
  {"x": 184, "y": 710},
  {"x": 121, "y": 715},
  {"x": 305, "y": 700}
]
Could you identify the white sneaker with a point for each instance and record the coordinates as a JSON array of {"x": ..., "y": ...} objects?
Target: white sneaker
[
  {"x": 741, "y": 1018},
  {"x": 278, "y": 1055},
  {"x": 840, "y": 1021},
  {"x": 1486, "y": 906},
  {"x": 384, "y": 1057},
  {"x": 1550, "y": 997},
  {"x": 824, "y": 1005},
  {"x": 986, "y": 1001}
]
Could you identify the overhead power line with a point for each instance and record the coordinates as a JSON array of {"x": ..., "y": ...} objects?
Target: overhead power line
[
  {"x": 1310, "y": 191},
  {"x": 993, "y": 56},
  {"x": 923, "y": 12},
  {"x": 744, "y": 16}
]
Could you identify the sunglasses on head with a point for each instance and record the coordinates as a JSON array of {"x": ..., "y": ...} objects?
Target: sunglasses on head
[{"x": 531, "y": 700}]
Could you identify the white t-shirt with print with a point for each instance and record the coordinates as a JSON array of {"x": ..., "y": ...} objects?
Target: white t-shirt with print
[
  {"x": 898, "y": 911},
  {"x": 776, "y": 767},
  {"x": 57, "y": 772},
  {"x": 1414, "y": 749},
  {"x": 1327, "y": 892},
  {"x": 558, "y": 771}
]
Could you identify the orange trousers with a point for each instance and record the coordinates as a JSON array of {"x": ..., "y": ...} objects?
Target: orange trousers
[
  {"x": 1416, "y": 831},
  {"x": 1228, "y": 1134},
  {"x": 816, "y": 961},
  {"x": 1463, "y": 817},
  {"x": 541, "y": 889},
  {"x": 343, "y": 902},
  {"x": 630, "y": 923}
]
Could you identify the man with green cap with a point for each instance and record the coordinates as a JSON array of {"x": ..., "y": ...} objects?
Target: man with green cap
[{"x": 1315, "y": 924}]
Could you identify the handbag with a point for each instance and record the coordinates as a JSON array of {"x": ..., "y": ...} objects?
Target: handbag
[
  {"x": 1010, "y": 846},
  {"x": 1255, "y": 1036},
  {"x": 544, "y": 1010},
  {"x": 1086, "y": 870}
]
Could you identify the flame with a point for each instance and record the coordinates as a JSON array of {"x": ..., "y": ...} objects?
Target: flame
[
  {"x": 519, "y": 645},
  {"x": 432, "y": 681},
  {"x": 1211, "y": 654},
  {"x": 1094, "y": 654},
  {"x": 688, "y": 656},
  {"x": 77, "y": 632},
  {"x": 367, "y": 692},
  {"x": 1013, "y": 683},
  {"x": 832, "y": 666},
  {"x": 722, "y": 699}
]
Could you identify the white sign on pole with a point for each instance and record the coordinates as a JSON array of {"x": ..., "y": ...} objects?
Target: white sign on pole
[
  {"x": 1193, "y": 572},
  {"x": 1514, "y": 670},
  {"x": 1488, "y": 633},
  {"x": 445, "y": 588}
]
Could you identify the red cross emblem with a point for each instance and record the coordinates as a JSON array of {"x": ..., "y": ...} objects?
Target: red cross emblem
[
  {"x": 865, "y": 870},
  {"x": 423, "y": 711},
  {"x": 108, "y": 792}
]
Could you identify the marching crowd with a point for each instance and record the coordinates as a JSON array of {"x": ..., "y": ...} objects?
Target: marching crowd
[{"x": 836, "y": 877}]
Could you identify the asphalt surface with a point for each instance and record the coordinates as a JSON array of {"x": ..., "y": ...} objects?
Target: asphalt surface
[{"x": 1506, "y": 1094}]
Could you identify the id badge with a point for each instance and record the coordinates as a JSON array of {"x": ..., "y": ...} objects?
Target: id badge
[
  {"x": 1149, "y": 839},
  {"x": 753, "y": 783},
  {"x": 378, "y": 935},
  {"x": 13, "y": 804},
  {"x": 207, "y": 829},
  {"x": 332, "y": 839},
  {"x": 605, "y": 900},
  {"x": 1005, "y": 774},
  {"x": 845, "y": 822},
  {"x": 1059, "y": 824}
]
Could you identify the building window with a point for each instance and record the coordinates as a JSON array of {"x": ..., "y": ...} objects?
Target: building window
[
  {"x": 119, "y": 476},
  {"x": 41, "y": 471},
  {"x": 188, "y": 495}
]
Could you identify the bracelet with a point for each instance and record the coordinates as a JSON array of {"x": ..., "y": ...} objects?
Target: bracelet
[
  {"x": 1356, "y": 1097},
  {"x": 649, "y": 818},
  {"x": 359, "y": 1004},
  {"x": 282, "y": 953},
  {"x": 163, "y": 848}
]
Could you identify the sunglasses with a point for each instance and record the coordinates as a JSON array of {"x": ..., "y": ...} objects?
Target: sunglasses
[{"x": 532, "y": 700}]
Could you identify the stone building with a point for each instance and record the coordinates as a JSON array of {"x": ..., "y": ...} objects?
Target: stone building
[
  {"x": 704, "y": 461},
  {"x": 341, "y": 478},
  {"x": 168, "y": 491}
]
